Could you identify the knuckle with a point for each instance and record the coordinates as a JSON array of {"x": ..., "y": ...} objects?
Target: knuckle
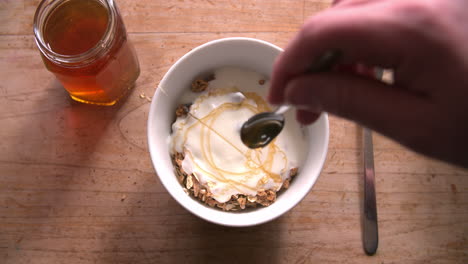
[
  {"x": 422, "y": 13},
  {"x": 345, "y": 3},
  {"x": 307, "y": 29}
]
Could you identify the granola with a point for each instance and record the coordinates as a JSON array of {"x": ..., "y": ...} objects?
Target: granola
[
  {"x": 182, "y": 110},
  {"x": 237, "y": 202},
  {"x": 199, "y": 85}
]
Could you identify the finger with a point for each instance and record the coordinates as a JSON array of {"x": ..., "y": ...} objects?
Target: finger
[
  {"x": 353, "y": 2},
  {"x": 306, "y": 117},
  {"x": 358, "y": 33},
  {"x": 392, "y": 112}
]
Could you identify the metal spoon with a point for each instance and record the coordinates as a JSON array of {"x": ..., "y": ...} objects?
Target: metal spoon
[{"x": 262, "y": 128}]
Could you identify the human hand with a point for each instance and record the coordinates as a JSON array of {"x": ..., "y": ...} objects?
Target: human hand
[{"x": 425, "y": 42}]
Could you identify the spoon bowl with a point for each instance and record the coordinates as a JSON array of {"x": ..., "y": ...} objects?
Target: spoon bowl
[{"x": 261, "y": 129}]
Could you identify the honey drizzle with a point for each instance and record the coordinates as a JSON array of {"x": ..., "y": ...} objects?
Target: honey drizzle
[
  {"x": 223, "y": 179},
  {"x": 209, "y": 159},
  {"x": 205, "y": 136},
  {"x": 210, "y": 128}
]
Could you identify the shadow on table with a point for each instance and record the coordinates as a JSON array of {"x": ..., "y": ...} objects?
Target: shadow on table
[
  {"x": 59, "y": 130},
  {"x": 83, "y": 126},
  {"x": 258, "y": 244},
  {"x": 360, "y": 179},
  {"x": 60, "y": 137}
]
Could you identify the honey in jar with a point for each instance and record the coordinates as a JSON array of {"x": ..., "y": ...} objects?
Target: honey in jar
[{"x": 84, "y": 43}]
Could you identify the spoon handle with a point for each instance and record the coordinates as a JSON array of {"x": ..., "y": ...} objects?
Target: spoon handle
[
  {"x": 325, "y": 62},
  {"x": 282, "y": 109}
]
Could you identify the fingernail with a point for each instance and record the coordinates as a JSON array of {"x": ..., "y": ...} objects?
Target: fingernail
[
  {"x": 307, "y": 107},
  {"x": 302, "y": 102}
]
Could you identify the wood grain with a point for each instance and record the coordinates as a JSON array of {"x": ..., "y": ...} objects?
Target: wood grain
[
  {"x": 181, "y": 16},
  {"x": 77, "y": 184}
]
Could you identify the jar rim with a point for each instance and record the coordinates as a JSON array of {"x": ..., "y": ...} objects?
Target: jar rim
[{"x": 46, "y": 7}]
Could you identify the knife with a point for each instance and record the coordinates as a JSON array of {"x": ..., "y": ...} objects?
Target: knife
[{"x": 370, "y": 227}]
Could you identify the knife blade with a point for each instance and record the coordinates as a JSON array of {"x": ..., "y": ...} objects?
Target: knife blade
[{"x": 370, "y": 226}]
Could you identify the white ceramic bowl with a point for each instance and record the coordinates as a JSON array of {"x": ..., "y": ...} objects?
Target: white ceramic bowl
[{"x": 246, "y": 53}]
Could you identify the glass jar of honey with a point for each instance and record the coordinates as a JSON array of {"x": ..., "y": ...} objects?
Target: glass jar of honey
[{"x": 85, "y": 44}]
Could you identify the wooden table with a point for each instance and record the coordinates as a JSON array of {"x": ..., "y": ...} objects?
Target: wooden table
[{"x": 77, "y": 184}]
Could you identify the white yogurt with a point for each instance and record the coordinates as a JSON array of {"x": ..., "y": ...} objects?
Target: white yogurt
[{"x": 210, "y": 137}]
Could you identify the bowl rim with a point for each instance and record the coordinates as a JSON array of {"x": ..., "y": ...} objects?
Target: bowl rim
[{"x": 155, "y": 156}]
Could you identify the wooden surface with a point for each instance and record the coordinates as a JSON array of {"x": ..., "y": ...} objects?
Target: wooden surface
[{"x": 77, "y": 184}]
